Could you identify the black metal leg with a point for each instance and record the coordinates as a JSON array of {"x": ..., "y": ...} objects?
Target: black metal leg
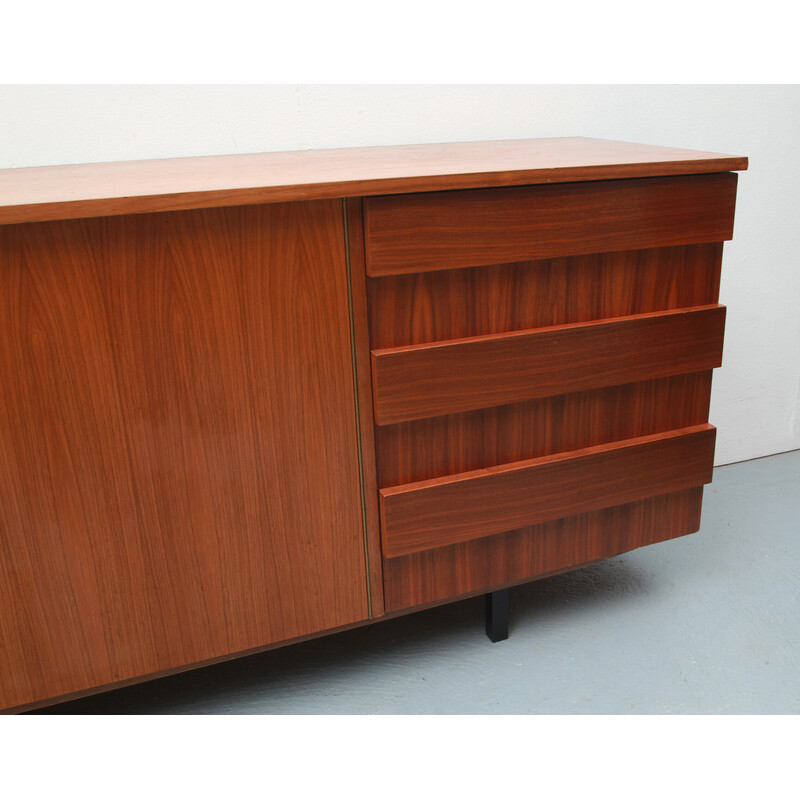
[{"x": 497, "y": 615}]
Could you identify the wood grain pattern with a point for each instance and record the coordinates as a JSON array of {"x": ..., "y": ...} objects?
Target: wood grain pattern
[
  {"x": 453, "y": 304},
  {"x": 492, "y": 562},
  {"x": 452, "y": 230},
  {"x": 456, "y": 508},
  {"x": 179, "y": 477},
  {"x": 447, "y": 445},
  {"x": 418, "y": 381},
  {"x": 133, "y": 187},
  {"x": 178, "y": 471},
  {"x": 358, "y": 292}
]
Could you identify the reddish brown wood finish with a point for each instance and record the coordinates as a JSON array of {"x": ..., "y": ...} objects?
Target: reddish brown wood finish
[
  {"x": 457, "y": 508},
  {"x": 132, "y": 187},
  {"x": 447, "y": 445},
  {"x": 453, "y": 304},
  {"x": 179, "y": 478},
  {"x": 451, "y": 230},
  {"x": 532, "y": 300},
  {"x": 426, "y": 380},
  {"x": 492, "y": 562},
  {"x": 358, "y": 292},
  {"x": 413, "y": 573},
  {"x": 178, "y": 462}
]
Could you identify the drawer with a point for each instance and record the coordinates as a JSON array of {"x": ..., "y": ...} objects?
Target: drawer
[
  {"x": 418, "y": 381},
  {"x": 471, "y": 505},
  {"x": 423, "y": 307},
  {"x": 448, "y": 230},
  {"x": 480, "y": 565}
]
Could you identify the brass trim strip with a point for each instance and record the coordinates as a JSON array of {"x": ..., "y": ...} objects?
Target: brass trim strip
[{"x": 357, "y": 408}]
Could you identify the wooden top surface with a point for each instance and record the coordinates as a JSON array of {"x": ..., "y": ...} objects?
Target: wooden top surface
[{"x": 32, "y": 194}]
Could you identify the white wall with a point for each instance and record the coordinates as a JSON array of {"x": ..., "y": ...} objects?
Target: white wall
[{"x": 756, "y": 398}]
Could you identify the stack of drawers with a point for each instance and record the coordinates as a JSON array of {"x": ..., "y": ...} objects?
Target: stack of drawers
[{"x": 541, "y": 369}]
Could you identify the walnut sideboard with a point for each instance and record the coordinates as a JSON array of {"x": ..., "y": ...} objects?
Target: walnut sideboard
[{"x": 246, "y": 400}]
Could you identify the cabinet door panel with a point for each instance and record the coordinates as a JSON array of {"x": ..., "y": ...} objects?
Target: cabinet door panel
[{"x": 178, "y": 463}]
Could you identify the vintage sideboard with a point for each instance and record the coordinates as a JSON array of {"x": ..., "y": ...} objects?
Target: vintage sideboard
[{"x": 247, "y": 400}]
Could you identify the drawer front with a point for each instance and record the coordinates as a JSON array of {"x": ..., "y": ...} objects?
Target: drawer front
[
  {"x": 458, "y": 508},
  {"x": 480, "y": 565},
  {"x": 541, "y": 365},
  {"x": 450, "y": 230},
  {"x": 420, "y": 381}
]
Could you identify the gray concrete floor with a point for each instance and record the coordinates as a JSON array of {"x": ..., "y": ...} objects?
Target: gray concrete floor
[{"x": 706, "y": 624}]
